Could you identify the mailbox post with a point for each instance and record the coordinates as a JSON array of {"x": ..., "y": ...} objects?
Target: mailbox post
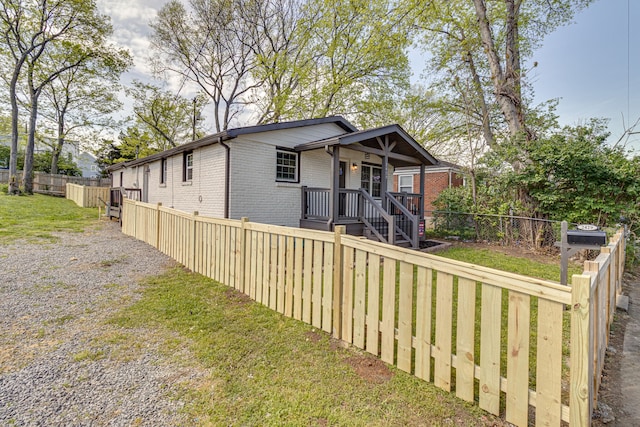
[{"x": 586, "y": 237}]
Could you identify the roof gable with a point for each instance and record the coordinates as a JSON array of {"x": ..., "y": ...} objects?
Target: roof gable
[{"x": 405, "y": 146}]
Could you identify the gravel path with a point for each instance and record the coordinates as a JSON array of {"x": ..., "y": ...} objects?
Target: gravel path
[{"x": 60, "y": 362}]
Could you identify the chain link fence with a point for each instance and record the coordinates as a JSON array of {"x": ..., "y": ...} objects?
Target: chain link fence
[{"x": 507, "y": 230}]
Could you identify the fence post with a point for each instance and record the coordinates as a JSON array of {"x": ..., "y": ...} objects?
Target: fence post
[
  {"x": 338, "y": 284},
  {"x": 158, "y": 228},
  {"x": 242, "y": 255},
  {"x": 580, "y": 401},
  {"x": 192, "y": 248}
]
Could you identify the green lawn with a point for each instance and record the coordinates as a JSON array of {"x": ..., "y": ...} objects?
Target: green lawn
[
  {"x": 36, "y": 217},
  {"x": 265, "y": 369},
  {"x": 532, "y": 267}
]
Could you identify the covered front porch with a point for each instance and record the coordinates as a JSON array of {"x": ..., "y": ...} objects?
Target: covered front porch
[{"x": 371, "y": 209}]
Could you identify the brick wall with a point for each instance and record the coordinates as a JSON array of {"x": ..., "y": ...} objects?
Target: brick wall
[{"x": 434, "y": 183}]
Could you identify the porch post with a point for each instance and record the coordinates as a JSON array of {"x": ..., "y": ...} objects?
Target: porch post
[
  {"x": 383, "y": 178},
  {"x": 421, "y": 210},
  {"x": 335, "y": 184}
]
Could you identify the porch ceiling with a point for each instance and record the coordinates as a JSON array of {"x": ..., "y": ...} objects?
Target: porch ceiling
[{"x": 392, "y": 140}]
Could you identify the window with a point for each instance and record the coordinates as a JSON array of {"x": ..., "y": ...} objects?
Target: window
[
  {"x": 286, "y": 166},
  {"x": 187, "y": 166},
  {"x": 370, "y": 178},
  {"x": 405, "y": 183},
  {"x": 163, "y": 171}
]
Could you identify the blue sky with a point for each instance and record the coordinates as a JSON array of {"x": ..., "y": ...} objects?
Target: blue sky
[{"x": 584, "y": 64}]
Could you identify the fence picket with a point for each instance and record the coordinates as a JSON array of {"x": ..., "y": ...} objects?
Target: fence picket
[
  {"x": 297, "y": 279},
  {"x": 359, "y": 296},
  {"x": 281, "y": 271},
  {"x": 424, "y": 283},
  {"x": 444, "y": 319},
  {"x": 290, "y": 267},
  {"x": 465, "y": 336},
  {"x": 405, "y": 317},
  {"x": 373, "y": 305},
  {"x": 347, "y": 296},
  {"x": 316, "y": 292},
  {"x": 387, "y": 352},
  {"x": 327, "y": 288},
  {"x": 259, "y": 265},
  {"x": 518, "y": 358},
  {"x": 549, "y": 356},
  {"x": 307, "y": 281},
  {"x": 490, "y": 328}
]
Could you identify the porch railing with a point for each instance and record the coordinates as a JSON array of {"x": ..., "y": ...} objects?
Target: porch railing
[
  {"x": 349, "y": 205},
  {"x": 116, "y": 197},
  {"x": 395, "y": 222},
  {"x": 406, "y": 224},
  {"x": 315, "y": 203},
  {"x": 412, "y": 201}
]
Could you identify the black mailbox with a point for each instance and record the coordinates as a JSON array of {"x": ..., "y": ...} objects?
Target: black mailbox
[{"x": 591, "y": 238}]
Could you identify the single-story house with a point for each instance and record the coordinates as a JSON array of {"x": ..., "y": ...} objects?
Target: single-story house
[
  {"x": 440, "y": 177},
  {"x": 315, "y": 173}
]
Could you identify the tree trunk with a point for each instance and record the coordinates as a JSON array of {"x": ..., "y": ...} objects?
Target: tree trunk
[
  {"x": 13, "y": 156},
  {"x": 27, "y": 176},
  {"x": 57, "y": 150},
  {"x": 506, "y": 90}
]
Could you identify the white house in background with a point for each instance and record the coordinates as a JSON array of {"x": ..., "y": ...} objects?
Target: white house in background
[{"x": 315, "y": 173}]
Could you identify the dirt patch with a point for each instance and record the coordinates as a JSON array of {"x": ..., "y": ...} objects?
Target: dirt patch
[
  {"x": 237, "y": 298},
  {"x": 313, "y": 336},
  {"x": 370, "y": 369}
]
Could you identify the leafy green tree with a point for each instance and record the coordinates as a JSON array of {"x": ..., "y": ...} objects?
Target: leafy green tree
[
  {"x": 574, "y": 175},
  {"x": 84, "y": 97},
  {"x": 5, "y": 154},
  {"x": 43, "y": 40},
  {"x": 64, "y": 166},
  {"x": 359, "y": 55},
  {"x": 162, "y": 120},
  {"x": 27, "y": 28},
  {"x": 107, "y": 153},
  {"x": 478, "y": 49}
]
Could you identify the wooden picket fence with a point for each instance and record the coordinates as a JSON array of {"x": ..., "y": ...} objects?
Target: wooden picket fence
[
  {"x": 488, "y": 336},
  {"x": 87, "y": 197}
]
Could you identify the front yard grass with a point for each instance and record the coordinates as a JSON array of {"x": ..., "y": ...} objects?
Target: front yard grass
[
  {"x": 265, "y": 369},
  {"x": 534, "y": 266},
  {"x": 36, "y": 217}
]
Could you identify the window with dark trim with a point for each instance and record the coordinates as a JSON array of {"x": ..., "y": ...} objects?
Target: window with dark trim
[
  {"x": 187, "y": 166},
  {"x": 163, "y": 171},
  {"x": 287, "y": 165}
]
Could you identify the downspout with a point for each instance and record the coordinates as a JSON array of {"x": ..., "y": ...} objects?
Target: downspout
[{"x": 227, "y": 174}]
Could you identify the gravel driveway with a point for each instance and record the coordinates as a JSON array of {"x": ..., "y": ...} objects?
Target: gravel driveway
[{"x": 61, "y": 363}]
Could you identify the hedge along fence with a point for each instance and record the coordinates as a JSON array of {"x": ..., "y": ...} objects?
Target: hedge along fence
[
  {"x": 491, "y": 337},
  {"x": 86, "y": 197}
]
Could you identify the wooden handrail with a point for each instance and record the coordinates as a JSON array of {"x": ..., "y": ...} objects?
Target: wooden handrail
[
  {"x": 411, "y": 217},
  {"x": 384, "y": 214}
]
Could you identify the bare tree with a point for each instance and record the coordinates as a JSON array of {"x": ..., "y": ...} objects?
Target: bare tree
[{"x": 209, "y": 47}]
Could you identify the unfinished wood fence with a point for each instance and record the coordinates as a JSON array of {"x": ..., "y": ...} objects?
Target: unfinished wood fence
[
  {"x": 528, "y": 349},
  {"x": 87, "y": 197},
  {"x": 54, "y": 184}
]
